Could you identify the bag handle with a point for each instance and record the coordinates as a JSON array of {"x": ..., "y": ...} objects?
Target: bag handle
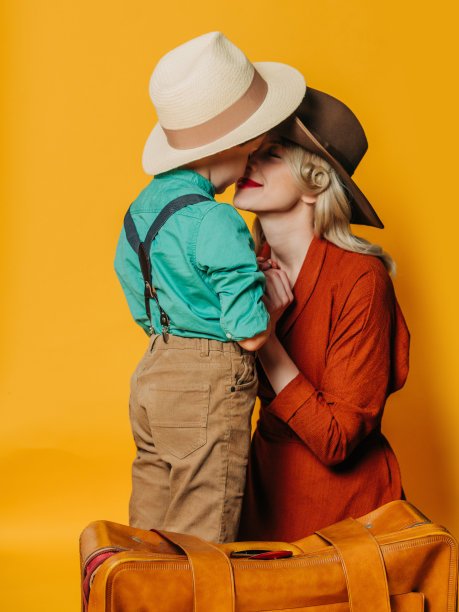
[
  {"x": 363, "y": 565},
  {"x": 213, "y": 582},
  {"x": 360, "y": 555}
]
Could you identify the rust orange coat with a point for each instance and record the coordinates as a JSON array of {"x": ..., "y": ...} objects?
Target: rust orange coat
[{"x": 318, "y": 454}]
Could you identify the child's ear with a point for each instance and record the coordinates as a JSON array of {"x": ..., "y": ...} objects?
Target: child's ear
[{"x": 308, "y": 199}]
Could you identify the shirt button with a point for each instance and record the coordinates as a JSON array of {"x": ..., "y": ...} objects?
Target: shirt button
[{"x": 228, "y": 335}]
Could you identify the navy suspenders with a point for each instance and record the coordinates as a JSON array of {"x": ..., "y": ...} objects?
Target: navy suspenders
[{"x": 143, "y": 251}]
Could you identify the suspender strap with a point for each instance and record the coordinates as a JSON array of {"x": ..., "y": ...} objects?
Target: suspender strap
[
  {"x": 168, "y": 211},
  {"x": 131, "y": 231},
  {"x": 213, "y": 582},
  {"x": 143, "y": 250},
  {"x": 363, "y": 565}
]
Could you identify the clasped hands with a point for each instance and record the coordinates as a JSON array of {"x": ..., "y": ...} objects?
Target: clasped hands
[{"x": 278, "y": 293}]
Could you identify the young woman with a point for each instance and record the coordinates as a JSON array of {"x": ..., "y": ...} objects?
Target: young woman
[{"x": 340, "y": 343}]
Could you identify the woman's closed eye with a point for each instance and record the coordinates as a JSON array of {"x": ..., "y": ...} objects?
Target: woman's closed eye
[{"x": 272, "y": 151}]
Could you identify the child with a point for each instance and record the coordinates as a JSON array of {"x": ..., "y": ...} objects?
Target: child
[{"x": 193, "y": 392}]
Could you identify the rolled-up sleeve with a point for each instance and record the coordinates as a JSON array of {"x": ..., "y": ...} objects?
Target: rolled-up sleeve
[
  {"x": 225, "y": 254},
  {"x": 348, "y": 404}
]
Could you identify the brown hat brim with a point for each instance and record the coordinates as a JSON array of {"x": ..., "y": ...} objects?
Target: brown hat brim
[{"x": 362, "y": 211}]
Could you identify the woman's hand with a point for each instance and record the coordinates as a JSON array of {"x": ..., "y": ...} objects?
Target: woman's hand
[
  {"x": 265, "y": 264},
  {"x": 278, "y": 294},
  {"x": 277, "y": 364}
]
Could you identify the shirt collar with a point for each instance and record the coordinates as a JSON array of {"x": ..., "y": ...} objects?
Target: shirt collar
[{"x": 192, "y": 177}]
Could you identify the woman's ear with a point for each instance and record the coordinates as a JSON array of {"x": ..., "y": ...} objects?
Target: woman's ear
[{"x": 308, "y": 199}]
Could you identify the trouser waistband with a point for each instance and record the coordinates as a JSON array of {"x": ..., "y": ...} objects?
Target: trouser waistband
[{"x": 202, "y": 344}]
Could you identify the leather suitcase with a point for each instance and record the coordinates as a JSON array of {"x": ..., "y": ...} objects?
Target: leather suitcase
[{"x": 391, "y": 559}]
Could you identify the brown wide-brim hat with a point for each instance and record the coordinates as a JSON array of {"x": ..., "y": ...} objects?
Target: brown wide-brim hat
[{"x": 325, "y": 126}]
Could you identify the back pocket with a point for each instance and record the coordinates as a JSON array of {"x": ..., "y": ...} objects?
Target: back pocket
[{"x": 178, "y": 418}]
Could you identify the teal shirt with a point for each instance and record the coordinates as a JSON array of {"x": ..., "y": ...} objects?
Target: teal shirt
[{"x": 203, "y": 263}]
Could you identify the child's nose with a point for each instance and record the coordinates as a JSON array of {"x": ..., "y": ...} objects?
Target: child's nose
[
  {"x": 252, "y": 159},
  {"x": 250, "y": 163}
]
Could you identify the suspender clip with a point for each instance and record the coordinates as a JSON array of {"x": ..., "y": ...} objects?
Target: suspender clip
[
  {"x": 149, "y": 291},
  {"x": 165, "y": 325}
]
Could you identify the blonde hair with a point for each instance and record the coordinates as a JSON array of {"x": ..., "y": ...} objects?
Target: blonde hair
[{"x": 332, "y": 210}]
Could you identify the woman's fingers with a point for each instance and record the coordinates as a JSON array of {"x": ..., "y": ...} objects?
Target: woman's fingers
[
  {"x": 286, "y": 283},
  {"x": 266, "y": 264},
  {"x": 278, "y": 294},
  {"x": 279, "y": 283}
]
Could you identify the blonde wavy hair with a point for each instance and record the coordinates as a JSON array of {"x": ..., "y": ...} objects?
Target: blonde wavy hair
[{"x": 332, "y": 210}]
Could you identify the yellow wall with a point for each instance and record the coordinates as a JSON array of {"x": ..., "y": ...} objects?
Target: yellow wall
[{"x": 75, "y": 115}]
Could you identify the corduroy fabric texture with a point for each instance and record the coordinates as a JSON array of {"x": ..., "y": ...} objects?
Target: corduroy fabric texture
[{"x": 190, "y": 408}]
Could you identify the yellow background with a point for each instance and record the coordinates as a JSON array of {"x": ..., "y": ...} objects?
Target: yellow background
[{"x": 75, "y": 115}]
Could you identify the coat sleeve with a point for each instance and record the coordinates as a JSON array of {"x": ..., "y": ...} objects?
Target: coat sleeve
[{"x": 332, "y": 419}]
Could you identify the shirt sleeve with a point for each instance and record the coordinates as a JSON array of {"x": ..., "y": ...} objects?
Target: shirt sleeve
[
  {"x": 225, "y": 254},
  {"x": 333, "y": 419}
]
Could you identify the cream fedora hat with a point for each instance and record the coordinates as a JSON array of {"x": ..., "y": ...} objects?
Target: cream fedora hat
[{"x": 209, "y": 97}]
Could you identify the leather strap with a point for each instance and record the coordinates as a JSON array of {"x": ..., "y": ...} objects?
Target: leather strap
[
  {"x": 142, "y": 248},
  {"x": 213, "y": 581},
  {"x": 168, "y": 211},
  {"x": 363, "y": 565},
  {"x": 360, "y": 555}
]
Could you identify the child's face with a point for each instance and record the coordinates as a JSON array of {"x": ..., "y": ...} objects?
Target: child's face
[{"x": 229, "y": 165}]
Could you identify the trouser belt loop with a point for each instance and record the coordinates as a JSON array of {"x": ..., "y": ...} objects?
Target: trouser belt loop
[{"x": 204, "y": 347}]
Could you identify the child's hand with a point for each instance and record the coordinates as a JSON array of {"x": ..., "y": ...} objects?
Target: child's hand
[
  {"x": 278, "y": 294},
  {"x": 266, "y": 264}
]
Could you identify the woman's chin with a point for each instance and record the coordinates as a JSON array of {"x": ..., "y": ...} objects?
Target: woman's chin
[{"x": 241, "y": 202}]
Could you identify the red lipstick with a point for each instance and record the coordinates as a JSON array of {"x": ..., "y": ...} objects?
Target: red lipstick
[{"x": 247, "y": 183}]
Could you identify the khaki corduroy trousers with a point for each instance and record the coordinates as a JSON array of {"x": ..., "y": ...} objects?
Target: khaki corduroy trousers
[{"x": 190, "y": 408}]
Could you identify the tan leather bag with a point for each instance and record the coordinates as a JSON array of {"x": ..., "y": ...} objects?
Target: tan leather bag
[{"x": 391, "y": 559}]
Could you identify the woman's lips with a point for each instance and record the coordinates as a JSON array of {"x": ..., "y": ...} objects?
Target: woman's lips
[{"x": 247, "y": 183}]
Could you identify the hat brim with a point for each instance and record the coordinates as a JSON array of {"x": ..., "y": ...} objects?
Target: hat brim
[
  {"x": 363, "y": 212},
  {"x": 286, "y": 89}
]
